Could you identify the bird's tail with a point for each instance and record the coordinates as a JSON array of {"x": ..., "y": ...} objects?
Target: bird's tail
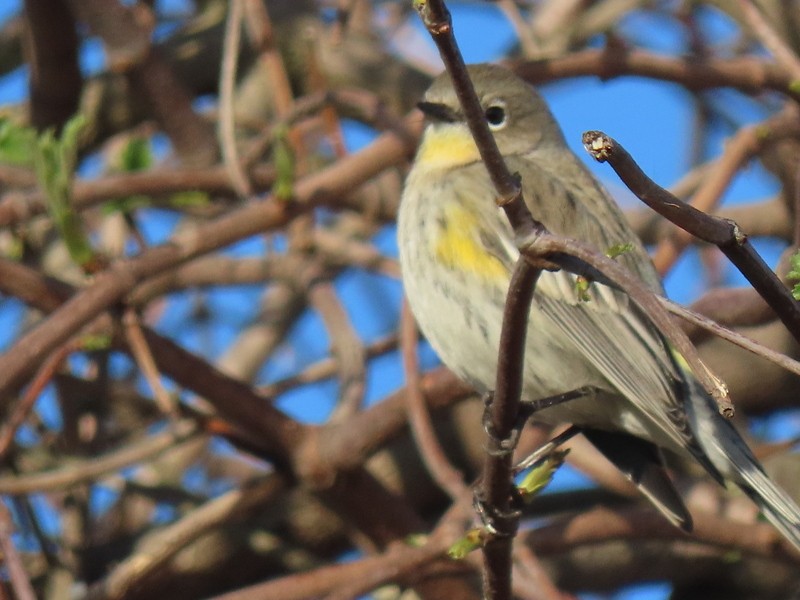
[
  {"x": 776, "y": 506},
  {"x": 729, "y": 453}
]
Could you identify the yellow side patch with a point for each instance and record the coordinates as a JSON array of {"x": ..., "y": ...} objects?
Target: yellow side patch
[
  {"x": 445, "y": 146},
  {"x": 459, "y": 247}
]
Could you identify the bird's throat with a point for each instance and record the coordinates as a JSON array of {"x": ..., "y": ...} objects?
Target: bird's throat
[{"x": 445, "y": 146}]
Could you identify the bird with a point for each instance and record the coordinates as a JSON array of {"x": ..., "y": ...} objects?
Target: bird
[{"x": 457, "y": 251}]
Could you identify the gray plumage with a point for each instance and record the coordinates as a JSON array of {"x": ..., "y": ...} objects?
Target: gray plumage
[{"x": 644, "y": 401}]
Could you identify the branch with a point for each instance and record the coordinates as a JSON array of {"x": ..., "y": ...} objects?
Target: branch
[
  {"x": 723, "y": 233},
  {"x": 112, "y": 285},
  {"x": 749, "y": 75},
  {"x": 52, "y": 53},
  {"x": 496, "y": 486}
]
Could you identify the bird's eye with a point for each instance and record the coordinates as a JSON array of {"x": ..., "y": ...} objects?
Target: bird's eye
[{"x": 496, "y": 116}]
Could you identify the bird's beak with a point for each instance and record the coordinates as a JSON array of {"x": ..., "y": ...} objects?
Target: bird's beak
[{"x": 438, "y": 112}]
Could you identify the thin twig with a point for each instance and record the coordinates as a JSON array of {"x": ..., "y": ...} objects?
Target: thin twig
[
  {"x": 317, "y": 81},
  {"x": 734, "y": 337},
  {"x": 748, "y": 74},
  {"x": 443, "y": 473},
  {"x": 744, "y": 145},
  {"x": 325, "y": 368},
  {"x": 144, "y": 358},
  {"x": 346, "y": 347},
  {"x": 783, "y": 54},
  {"x": 98, "y": 466},
  {"x": 721, "y": 232},
  {"x": 20, "y": 582},
  {"x": 580, "y": 258},
  {"x": 227, "y": 82},
  {"x": 531, "y": 48},
  {"x": 43, "y": 376}
]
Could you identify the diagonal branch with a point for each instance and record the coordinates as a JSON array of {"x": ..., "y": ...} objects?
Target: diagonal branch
[{"x": 722, "y": 232}]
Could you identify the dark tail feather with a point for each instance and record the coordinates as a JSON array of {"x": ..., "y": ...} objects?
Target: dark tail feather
[
  {"x": 776, "y": 507},
  {"x": 641, "y": 462},
  {"x": 729, "y": 453}
]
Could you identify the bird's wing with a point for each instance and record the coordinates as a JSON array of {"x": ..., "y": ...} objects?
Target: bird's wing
[
  {"x": 607, "y": 329},
  {"x": 624, "y": 348}
]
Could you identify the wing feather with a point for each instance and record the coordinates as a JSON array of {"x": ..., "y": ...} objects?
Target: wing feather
[{"x": 608, "y": 330}]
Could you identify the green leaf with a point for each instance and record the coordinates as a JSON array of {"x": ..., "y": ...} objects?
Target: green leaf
[
  {"x": 618, "y": 250},
  {"x": 794, "y": 274},
  {"x": 55, "y": 160},
  {"x": 136, "y": 155},
  {"x": 15, "y": 248},
  {"x": 283, "y": 188},
  {"x": 17, "y": 144},
  {"x": 582, "y": 285},
  {"x": 472, "y": 540},
  {"x": 417, "y": 540},
  {"x": 541, "y": 474},
  {"x": 100, "y": 341}
]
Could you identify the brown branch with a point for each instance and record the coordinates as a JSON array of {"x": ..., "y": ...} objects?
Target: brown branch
[
  {"x": 346, "y": 346},
  {"x": 749, "y": 75},
  {"x": 20, "y": 582},
  {"x": 125, "y": 31},
  {"x": 147, "y": 365},
  {"x": 740, "y": 340},
  {"x": 21, "y": 410},
  {"x": 227, "y": 82},
  {"x": 601, "y": 524},
  {"x": 443, "y": 473},
  {"x": 496, "y": 486},
  {"x": 582, "y": 259},
  {"x": 346, "y": 445},
  {"x": 324, "y": 369},
  {"x": 504, "y": 413},
  {"x": 98, "y": 466},
  {"x": 747, "y": 143},
  {"x": 732, "y": 307},
  {"x": 723, "y": 233},
  {"x": 16, "y": 206},
  {"x": 51, "y": 49}
]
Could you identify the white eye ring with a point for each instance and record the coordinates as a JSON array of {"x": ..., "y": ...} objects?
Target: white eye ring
[{"x": 496, "y": 115}]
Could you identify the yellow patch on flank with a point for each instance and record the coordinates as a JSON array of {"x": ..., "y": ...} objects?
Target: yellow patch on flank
[
  {"x": 445, "y": 146},
  {"x": 459, "y": 247}
]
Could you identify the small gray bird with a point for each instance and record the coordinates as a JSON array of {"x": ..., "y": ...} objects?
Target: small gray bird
[{"x": 457, "y": 253}]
